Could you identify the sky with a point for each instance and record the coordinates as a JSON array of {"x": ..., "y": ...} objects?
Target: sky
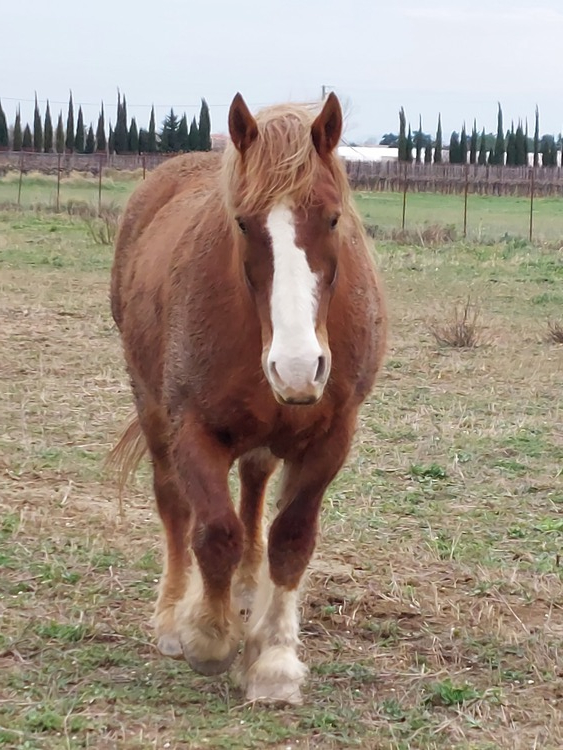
[{"x": 429, "y": 56}]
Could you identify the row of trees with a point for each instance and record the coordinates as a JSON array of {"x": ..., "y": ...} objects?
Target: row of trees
[
  {"x": 126, "y": 138},
  {"x": 510, "y": 148}
]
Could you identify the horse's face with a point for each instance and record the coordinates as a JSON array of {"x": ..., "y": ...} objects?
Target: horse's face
[{"x": 289, "y": 258}]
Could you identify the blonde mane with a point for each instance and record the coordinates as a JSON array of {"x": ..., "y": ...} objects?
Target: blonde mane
[{"x": 281, "y": 163}]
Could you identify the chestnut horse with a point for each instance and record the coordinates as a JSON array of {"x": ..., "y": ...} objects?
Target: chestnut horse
[{"x": 253, "y": 325}]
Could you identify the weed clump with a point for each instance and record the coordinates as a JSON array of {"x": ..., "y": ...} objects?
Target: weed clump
[{"x": 463, "y": 330}]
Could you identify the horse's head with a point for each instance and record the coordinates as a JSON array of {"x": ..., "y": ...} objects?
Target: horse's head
[{"x": 286, "y": 195}]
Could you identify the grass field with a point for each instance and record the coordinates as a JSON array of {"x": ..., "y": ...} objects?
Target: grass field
[
  {"x": 489, "y": 218},
  {"x": 433, "y": 615}
]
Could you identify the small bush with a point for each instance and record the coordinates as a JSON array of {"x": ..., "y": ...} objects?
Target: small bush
[
  {"x": 463, "y": 331},
  {"x": 555, "y": 331},
  {"x": 103, "y": 229}
]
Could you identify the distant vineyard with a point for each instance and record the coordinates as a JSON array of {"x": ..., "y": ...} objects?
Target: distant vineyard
[
  {"x": 455, "y": 178},
  {"x": 372, "y": 176}
]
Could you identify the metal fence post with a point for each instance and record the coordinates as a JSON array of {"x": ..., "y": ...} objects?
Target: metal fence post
[
  {"x": 99, "y": 185},
  {"x": 58, "y": 208},
  {"x": 405, "y": 188},
  {"x": 465, "y": 200},
  {"x": 532, "y": 187},
  {"x": 20, "y": 182}
]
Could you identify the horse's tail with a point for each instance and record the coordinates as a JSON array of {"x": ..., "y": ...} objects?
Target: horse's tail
[{"x": 126, "y": 455}]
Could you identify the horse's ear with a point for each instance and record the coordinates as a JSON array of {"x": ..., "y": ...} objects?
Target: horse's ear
[
  {"x": 242, "y": 126},
  {"x": 327, "y": 128}
]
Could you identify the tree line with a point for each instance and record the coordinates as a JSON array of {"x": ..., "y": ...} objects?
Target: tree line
[
  {"x": 510, "y": 148},
  {"x": 175, "y": 134}
]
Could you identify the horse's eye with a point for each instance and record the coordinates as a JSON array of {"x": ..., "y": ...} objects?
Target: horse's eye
[
  {"x": 334, "y": 222},
  {"x": 241, "y": 225}
]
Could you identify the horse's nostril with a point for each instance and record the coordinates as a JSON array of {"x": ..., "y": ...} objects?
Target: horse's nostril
[{"x": 321, "y": 370}]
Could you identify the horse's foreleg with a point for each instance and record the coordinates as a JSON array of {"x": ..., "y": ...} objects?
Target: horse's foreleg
[
  {"x": 209, "y": 629},
  {"x": 255, "y": 468},
  {"x": 271, "y": 670},
  {"x": 175, "y": 515}
]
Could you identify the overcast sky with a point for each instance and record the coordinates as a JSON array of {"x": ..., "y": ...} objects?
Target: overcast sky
[{"x": 429, "y": 56}]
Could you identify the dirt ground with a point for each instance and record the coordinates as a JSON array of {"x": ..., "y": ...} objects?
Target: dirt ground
[{"x": 433, "y": 613}]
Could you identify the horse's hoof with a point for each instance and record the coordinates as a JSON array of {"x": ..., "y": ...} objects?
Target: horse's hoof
[
  {"x": 210, "y": 667},
  {"x": 285, "y": 693},
  {"x": 169, "y": 645}
]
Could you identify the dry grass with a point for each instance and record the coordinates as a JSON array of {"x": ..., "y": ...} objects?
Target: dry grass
[
  {"x": 555, "y": 331},
  {"x": 103, "y": 228},
  {"x": 463, "y": 331},
  {"x": 423, "y": 236},
  {"x": 433, "y": 614}
]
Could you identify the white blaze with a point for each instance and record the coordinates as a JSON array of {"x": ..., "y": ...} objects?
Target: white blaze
[{"x": 295, "y": 349}]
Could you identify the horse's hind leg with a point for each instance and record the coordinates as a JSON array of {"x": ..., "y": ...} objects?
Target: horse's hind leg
[
  {"x": 175, "y": 515},
  {"x": 255, "y": 468}
]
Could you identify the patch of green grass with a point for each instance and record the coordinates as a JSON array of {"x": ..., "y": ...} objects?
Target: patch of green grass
[
  {"x": 446, "y": 693},
  {"x": 433, "y": 471}
]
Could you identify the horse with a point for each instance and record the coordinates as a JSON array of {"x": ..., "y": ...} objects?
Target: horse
[{"x": 253, "y": 324}]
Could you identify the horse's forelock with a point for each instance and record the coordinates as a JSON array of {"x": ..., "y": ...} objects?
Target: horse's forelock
[{"x": 281, "y": 163}]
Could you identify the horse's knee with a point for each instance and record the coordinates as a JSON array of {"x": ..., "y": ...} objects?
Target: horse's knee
[{"x": 217, "y": 544}]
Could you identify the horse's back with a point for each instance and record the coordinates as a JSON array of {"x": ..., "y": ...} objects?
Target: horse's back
[{"x": 173, "y": 184}]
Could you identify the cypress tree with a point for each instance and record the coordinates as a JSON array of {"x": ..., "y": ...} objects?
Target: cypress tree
[
  {"x": 499, "y": 143},
  {"x": 111, "y": 140},
  {"x": 402, "y": 144},
  {"x": 151, "y": 135},
  {"x": 4, "y": 136},
  {"x": 418, "y": 141},
  {"x": 537, "y": 139},
  {"x": 482, "y": 158},
  {"x": 101, "y": 131},
  {"x": 90, "y": 145},
  {"x": 194, "y": 136},
  {"x": 37, "y": 128},
  {"x": 438, "y": 144},
  {"x": 80, "y": 136},
  {"x": 454, "y": 148},
  {"x": 133, "y": 137},
  {"x": 548, "y": 150},
  {"x": 169, "y": 133},
  {"x": 69, "y": 142},
  {"x": 18, "y": 136},
  {"x": 121, "y": 133},
  {"x": 491, "y": 157},
  {"x": 143, "y": 141},
  {"x": 521, "y": 146},
  {"x": 463, "y": 146},
  {"x": 60, "y": 135},
  {"x": 409, "y": 146},
  {"x": 48, "y": 131},
  {"x": 473, "y": 144},
  {"x": 27, "y": 140},
  {"x": 428, "y": 150},
  {"x": 183, "y": 134},
  {"x": 204, "y": 127},
  {"x": 511, "y": 148}
]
